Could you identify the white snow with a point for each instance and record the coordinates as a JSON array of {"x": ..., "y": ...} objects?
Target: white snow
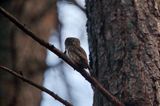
[{"x": 73, "y": 22}]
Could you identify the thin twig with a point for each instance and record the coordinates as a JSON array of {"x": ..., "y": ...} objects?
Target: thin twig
[
  {"x": 37, "y": 86},
  {"x": 60, "y": 54},
  {"x": 78, "y": 5}
]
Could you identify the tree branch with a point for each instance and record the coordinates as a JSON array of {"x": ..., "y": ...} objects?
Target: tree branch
[
  {"x": 75, "y": 3},
  {"x": 60, "y": 54},
  {"x": 37, "y": 86}
]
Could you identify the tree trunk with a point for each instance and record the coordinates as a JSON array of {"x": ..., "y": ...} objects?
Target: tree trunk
[
  {"x": 21, "y": 53},
  {"x": 124, "y": 42}
]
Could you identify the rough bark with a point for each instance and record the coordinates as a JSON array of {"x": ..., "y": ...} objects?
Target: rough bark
[{"x": 124, "y": 42}]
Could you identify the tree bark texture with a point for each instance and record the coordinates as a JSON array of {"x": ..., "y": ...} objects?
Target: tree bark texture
[{"x": 124, "y": 43}]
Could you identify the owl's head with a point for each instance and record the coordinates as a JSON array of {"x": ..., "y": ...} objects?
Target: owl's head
[{"x": 72, "y": 41}]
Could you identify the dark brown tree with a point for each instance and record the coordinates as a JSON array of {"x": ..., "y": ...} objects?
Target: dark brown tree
[
  {"x": 21, "y": 53},
  {"x": 124, "y": 42}
]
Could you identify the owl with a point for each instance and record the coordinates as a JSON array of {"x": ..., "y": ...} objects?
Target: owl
[{"x": 76, "y": 53}]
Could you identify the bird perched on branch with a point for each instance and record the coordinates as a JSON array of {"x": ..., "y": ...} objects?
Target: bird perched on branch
[{"x": 76, "y": 53}]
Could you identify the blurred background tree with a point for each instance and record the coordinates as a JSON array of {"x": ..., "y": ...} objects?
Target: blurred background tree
[{"x": 22, "y": 53}]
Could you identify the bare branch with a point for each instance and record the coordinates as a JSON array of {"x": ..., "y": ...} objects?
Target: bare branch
[
  {"x": 60, "y": 54},
  {"x": 75, "y": 3},
  {"x": 37, "y": 86}
]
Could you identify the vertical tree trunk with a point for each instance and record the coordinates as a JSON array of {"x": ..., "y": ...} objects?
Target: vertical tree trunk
[
  {"x": 6, "y": 90},
  {"x": 21, "y": 53},
  {"x": 124, "y": 42}
]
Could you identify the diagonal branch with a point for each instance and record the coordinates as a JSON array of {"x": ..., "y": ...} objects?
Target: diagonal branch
[
  {"x": 60, "y": 54},
  {"x": 75, "y": 3},
  {"x": 37, "y": 86}
]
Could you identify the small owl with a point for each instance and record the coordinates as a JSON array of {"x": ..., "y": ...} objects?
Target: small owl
[{"x": 75, "y": 52}]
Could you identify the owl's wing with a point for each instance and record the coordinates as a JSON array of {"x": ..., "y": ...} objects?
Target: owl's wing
[{"x": 81, "y": 56}]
